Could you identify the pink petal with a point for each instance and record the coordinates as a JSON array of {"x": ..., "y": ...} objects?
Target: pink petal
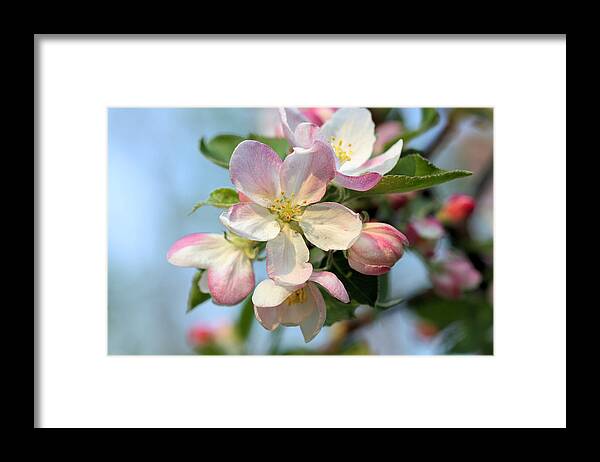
[
  {"x": 243, "y": 198},
  {"x": 250, "y": 221},
  {"x": 294, "y": 312},
  {"x": 231, "y": 279},
  {"x": 330, "y": 226},
  {"x": 331, "y": 283},
  {"x": 305, "y": 135},
  {"x": 379, "y": 247},
  {"x": 318, "y": 115},
  {"x": 362, "y": 182},
  {"x": 383, "y": 229},
  {"x": 287, "y": 258},
  {"x": 268, "y": 317},
  {"x": 198, "y": 250},
  {"x": 311, "y": 325},
  {"x": 290, "y": 119},
  {"x": 364, "y": 268},
  {"x": 305, "y": 173},
  {"x": 254, "y": 170}
]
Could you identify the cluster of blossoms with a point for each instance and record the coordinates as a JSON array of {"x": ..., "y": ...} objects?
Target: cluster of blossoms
[
  {"x": 280, "y": 210},
  {"x": 451, "y": 273}
]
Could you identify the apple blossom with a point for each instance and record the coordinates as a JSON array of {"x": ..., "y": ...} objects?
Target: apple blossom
[
  {"x": 377, "y": 249},
  {"x": 300, "y": 305},
  {"x": 228, "y": 260},
  {"x": 351, "y": 134},
  {"x": 281, "y": 206},
  {"x": 424, "y": 234},
  {"x": 453, "y": 275},
  {"x": 457, "y": 208}
]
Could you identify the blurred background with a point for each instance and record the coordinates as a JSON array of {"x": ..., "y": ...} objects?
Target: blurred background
[{"x": 156, "y": 175}]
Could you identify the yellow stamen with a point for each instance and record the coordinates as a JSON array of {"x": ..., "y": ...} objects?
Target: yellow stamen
[
  {"x": 338, "y": 148},
  {"x": 286, "y": 208},
  {"x": 297, "y": 297}
]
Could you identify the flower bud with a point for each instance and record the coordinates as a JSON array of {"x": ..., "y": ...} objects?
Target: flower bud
[
  {"x": 377, "y": 249},
  {"x": 399, "y": 200},
  {"x": 317, "y": 115},
  {"x": 201, "y": 335},
  {"x": 453, "y": 276},
  {"x": 424, "y": 234},
  {"x": 457, "y": 208}
]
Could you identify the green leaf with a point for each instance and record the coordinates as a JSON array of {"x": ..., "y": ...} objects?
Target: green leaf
[
  {"x": 412, "y": 173},
  {"x": 245, "y": 320},
  {"x": 279, "y": 145},
  {"x": 336, "y": 310},
  {"x": 316, "y": 256},
  {"x": 383, "y": 301},
  {"x": 220, "y": 148},
  {"x": 221, "y": 198},
  {"x": 195, "y": 296},
  {"x": 361, "y": 288},
  {"x": 472, "y": 314}
]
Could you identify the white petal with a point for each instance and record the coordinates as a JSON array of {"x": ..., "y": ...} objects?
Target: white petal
[
  {"x": 330, "y": 226},
  {"x": 382, "y": 163},
  {"x": 250, "y": 221},
  {"x": 311, "y": 325},
  {"x": 203, "y": 282},
  {"x": 287, "y": 258},
  {"x": 353, "y": 126},
  {"x": 199, "y": 250},
  {"x": 269, "y": 294},
  {"x": 294, "y": 312}
]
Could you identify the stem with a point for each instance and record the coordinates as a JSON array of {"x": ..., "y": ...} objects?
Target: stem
[
  {"x": 275, "y": 341},
  {"x": 328, "y": 262}
]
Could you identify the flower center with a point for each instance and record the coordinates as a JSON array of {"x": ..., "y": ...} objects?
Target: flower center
[
  {"x": 342, "y": 152},
  {"x": 297, "y": 297},
  {"x": 286, "y": 208}
]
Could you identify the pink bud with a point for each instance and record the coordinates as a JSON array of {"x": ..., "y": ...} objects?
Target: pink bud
[
  {"x": 453, "y": 276},
  {"x": 201, "y": 335},
  {"x": 457, "y": 208},
  {"x": 318, "y": 115},
  {"x": 399, "y": 200},
  {"x": 377, "y": 249},
  {"x": 427, "y": 329},
  {"x": 424, "y": 234}
]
